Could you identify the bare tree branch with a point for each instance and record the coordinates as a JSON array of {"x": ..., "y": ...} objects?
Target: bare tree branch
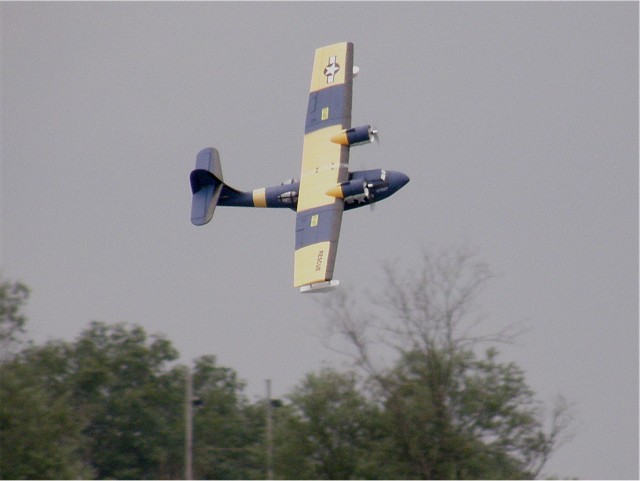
[{"x": 437, "y": 388}]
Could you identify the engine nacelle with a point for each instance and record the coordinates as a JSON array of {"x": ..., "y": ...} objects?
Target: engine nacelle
[
  {"x": 363, "y": 134},
  {"x": 354, "y": 190}
]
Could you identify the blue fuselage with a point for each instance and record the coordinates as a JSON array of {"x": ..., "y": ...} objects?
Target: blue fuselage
[{"x": 364, "y": 187}]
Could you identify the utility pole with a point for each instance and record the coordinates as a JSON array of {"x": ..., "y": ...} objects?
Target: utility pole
[
  {"x": 188, "y": 444},
  {"x": 269, "y": 432}
]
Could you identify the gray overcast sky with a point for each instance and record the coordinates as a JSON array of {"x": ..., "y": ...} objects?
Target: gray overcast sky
[{"x": 517, "y": 123}]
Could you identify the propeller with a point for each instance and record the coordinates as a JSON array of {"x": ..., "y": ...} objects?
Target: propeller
[
  {"x": 375, "y": 139},
  {"x": 375, "y": 136}
]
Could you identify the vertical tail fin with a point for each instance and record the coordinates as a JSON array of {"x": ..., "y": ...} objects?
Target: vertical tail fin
[{"x": 206, "y": 185}]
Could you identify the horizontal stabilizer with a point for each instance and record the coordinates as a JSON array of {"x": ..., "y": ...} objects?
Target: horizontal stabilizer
[{"x": 206, "y": 186}]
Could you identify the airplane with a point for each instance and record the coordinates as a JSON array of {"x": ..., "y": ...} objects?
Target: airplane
[{"x": 326, "y": 187}]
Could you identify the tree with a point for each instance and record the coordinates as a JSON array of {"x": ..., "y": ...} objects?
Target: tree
[
  {"x": 110, "y": 405},
  {"x": 105, "y": 405},
  {"x": 132, "y": 403},
  {"x": 40, "y": 434},
  {"x": 451, "y": 411},
  {"x": 228, "y": 432},
  {"x": 327, "y": 431},
  {"x": 13, "y": 297}
]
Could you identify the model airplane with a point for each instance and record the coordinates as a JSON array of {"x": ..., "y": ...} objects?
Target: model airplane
[{"x": 326, "y": 187}]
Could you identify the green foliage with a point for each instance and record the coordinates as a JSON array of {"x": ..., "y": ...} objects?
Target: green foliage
[
  {"x": 447, "y": 413},
  {"x": 133, "y": 402},
  {"x": 228, "y": 431},
  {"x": 13, "y": 296},
  {"x": 327, "y": 431},
  {"x": 40, "y": 434},
  {"x": 457, "y": 417},
  {"x": 111, "y": 404},
  {"x": 118, "y": 407}
]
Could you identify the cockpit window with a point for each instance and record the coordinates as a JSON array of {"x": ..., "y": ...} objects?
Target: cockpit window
[
  {"x": 290, "y": 197},
  {"x": 289, "y": 181}
]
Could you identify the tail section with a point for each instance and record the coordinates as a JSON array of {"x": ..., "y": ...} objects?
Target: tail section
[{"x": 206, "y": 185}]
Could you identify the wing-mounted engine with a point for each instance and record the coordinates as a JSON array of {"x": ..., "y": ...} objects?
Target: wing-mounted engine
[
  {"x": 355, "y": 190},
  {"x": 367, "y": 187},
  {"x": 361, "y": 135}
]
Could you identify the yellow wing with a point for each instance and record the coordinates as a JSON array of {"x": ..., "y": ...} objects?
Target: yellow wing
[{"x": 324, "y": 164}]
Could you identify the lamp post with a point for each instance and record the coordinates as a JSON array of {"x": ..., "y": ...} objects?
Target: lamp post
[
  {"x": 188, "y": 443},
  {"x": 269, "y": 432}
]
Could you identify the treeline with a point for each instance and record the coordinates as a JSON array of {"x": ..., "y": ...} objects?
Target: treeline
[{"x": 110, "y": 404}]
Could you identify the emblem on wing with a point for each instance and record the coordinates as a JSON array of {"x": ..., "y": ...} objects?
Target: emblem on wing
[{"x": 331, "y": 69}]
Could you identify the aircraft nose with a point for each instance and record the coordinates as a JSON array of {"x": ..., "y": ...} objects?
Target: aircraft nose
[{"x": 398, "y": 179}]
